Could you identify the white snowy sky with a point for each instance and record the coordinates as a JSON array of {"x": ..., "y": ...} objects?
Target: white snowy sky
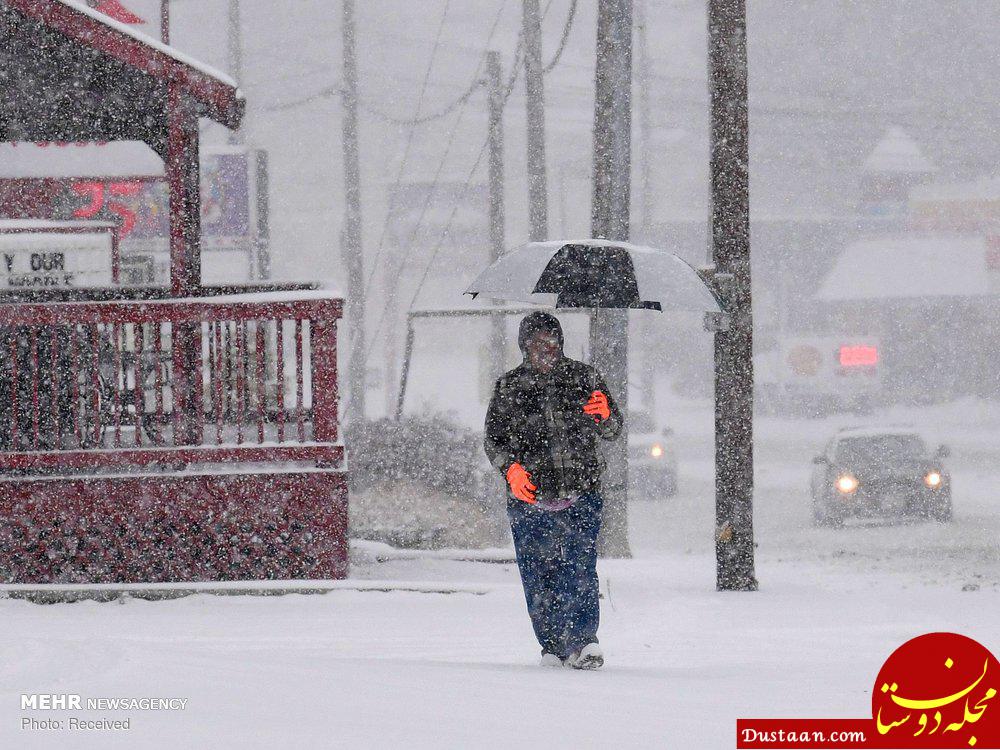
[{"x": 826, "y": 78}]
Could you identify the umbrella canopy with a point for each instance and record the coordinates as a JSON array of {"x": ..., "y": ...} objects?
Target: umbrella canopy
[{"x": 595, "y": 273}]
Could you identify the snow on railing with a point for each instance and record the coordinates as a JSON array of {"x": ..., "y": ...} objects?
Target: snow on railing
[{"x": 168, "y": 382}]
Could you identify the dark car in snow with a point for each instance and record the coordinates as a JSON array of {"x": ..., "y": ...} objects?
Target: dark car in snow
[{"x": 875, "y": 472}]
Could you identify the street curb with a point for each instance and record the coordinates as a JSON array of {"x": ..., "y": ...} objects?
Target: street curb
[{"x": 105, "y": 592}]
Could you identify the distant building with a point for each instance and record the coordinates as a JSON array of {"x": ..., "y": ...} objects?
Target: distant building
[
  {"x": 924, "y": 277},
  {"x": 964, "y": 207},
  {"x": 915, "y": 267},
  {"x": 895, "y": 167},
  {"x": 933, "y": 300}
]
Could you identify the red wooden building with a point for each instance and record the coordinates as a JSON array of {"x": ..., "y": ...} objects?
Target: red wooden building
[{"x": 189, "y": 434}]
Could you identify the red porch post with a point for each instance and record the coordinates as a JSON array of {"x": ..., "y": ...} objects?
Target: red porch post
[
  {"x": 185, "y": 259},
  {"x": 185, "y": 200},
  {"x": 323, "y": 343}
]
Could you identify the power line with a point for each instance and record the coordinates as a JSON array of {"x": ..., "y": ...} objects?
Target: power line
[
  {"x": 515, "y": 72},
  {"x": 406, "y": 149},
  {"x": 427, "y": 202},
  {"x": 565, "y": 36},
  {"x": 433, "y": 186},
  {"x": 336, "y": 88},
  {"x": 409, "y": 143},
  {"x": 419, "y": 119},
  {"x": 461, "y": 99},
  {"x": 441, "y": 113},
  {"x": 296, "y": 103},
  {"x": 446, "y": 232},
  {"x": 465, "y": 188}
]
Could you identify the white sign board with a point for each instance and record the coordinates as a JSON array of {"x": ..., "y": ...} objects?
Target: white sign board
[{"x": 55, "y": 260}]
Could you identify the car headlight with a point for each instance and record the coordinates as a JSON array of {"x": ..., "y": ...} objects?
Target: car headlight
[
  {"x": 847, "y": 484},
  {"x": 656, "y": 451},
  {"x": 933, "y": 479}
]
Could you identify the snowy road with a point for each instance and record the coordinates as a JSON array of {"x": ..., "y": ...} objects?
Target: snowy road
[
  {"x": 351, "y": 669},
  {"x": 965, "y": 552},
  {"x": 386, "y": 670}
]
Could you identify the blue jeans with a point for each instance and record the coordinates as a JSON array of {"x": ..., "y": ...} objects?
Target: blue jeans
[{"x": 557, "y": 558}]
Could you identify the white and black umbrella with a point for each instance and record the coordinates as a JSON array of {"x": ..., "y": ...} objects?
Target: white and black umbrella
[{"x": 595, "y": 273}]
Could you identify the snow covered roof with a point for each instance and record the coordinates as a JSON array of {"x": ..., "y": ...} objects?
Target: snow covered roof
[
  {"x": 149, "y": 41},
  {"x": 868, "y": 432},
  {"x": 897, "y": 152},
  {"x": 216, "y": 92},
  {"x": 126, "y": 159},
  {"x": 41, "y": 225},
  {"x": 26, "y": 160},
  {"x": 327, "y": 292},
  {"x": 908, "y": 266},
  {"x": 985, "y": 189},
  {"x": 556, "y": 244}
]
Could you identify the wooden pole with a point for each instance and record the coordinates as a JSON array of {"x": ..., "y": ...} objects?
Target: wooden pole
[
  {"x": 610, "y": 219},
  {"x": 185, "y": 203},
  {"x": 498, "y": 324},
  {"x": 234, "y": 48},
  {"x": 182, "y": 170},
  {"x": 350, "y": 236},
  {"x": 734, "y": 544},
  {"x": 648, "y": 323},
  {"x": 538, "y": 201}
]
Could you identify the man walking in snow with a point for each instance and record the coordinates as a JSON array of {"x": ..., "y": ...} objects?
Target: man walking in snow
[{"x": 542, "y": 428}]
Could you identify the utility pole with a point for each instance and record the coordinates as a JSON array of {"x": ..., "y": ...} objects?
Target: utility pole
[
  {"x": 538, "y": 201},
  {"x": 498, "y": 323},
  {"x": 234, "y": 46},
  {"x": 350, "y": 235},
  {"x": 646, "y": 322},
  {"x": 256, "y": 159},
  {"x": 262, "y": 203},
  {"x": 727, "y": 65},
  {"x": 610, "y": 219},
  {"x": 642, "y": 79}
]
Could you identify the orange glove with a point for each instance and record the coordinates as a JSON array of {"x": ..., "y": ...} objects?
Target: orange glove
[
  {"x": 598, "y": 407},
  {"x": 520, "y": 483}
]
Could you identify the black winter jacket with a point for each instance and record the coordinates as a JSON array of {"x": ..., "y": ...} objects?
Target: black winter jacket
[{"x": 538, "y": 421}]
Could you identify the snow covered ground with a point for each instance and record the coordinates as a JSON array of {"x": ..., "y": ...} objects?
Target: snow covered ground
[
  {"x": 353, "y": 669},
  {"x": 406, "y": 669}
]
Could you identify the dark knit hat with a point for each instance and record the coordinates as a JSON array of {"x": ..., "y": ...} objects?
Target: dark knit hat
[{"x": 535, "y": 322}]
